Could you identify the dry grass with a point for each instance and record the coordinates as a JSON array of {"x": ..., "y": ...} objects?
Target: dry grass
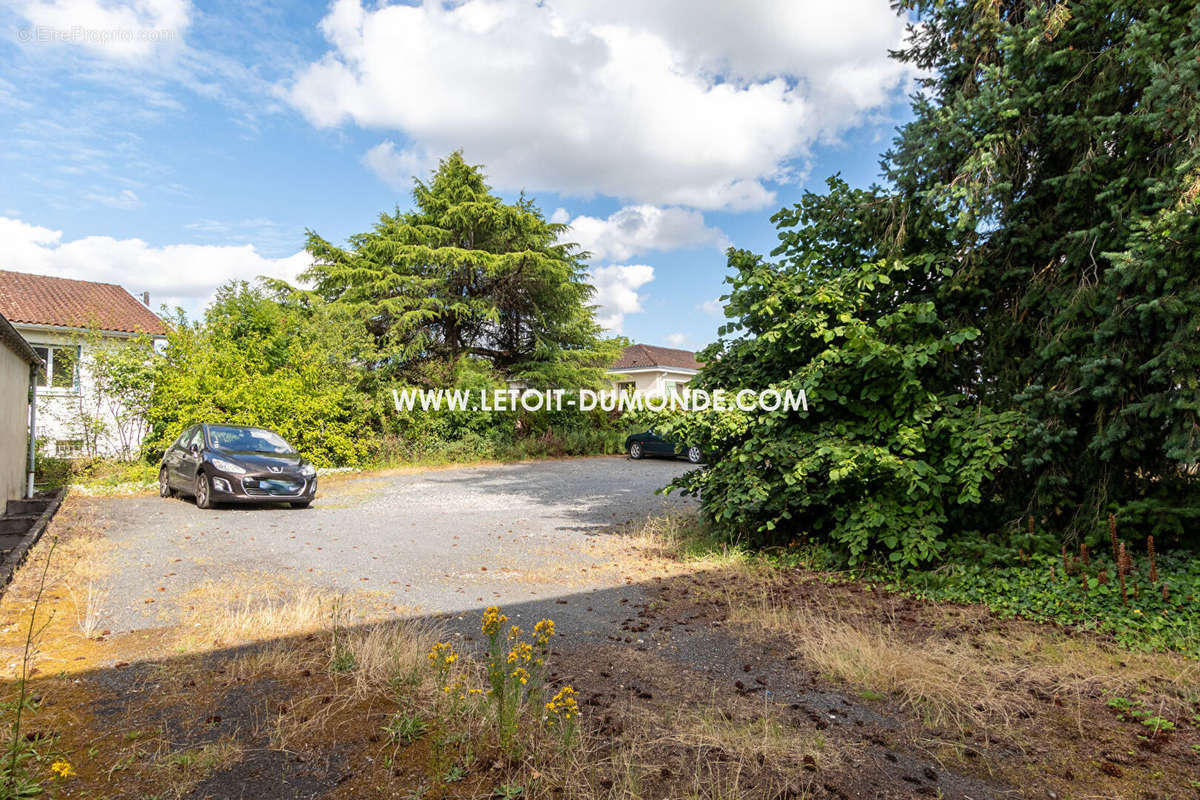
[
  {"x": 372, "y": 667},
  {"x": 938, "y": 680},
  {"x": 979, "y": 678},
  {"x": 282, "y": 657},
  {"x": 311, "y": 718},
  {"x": 707, "y": 752},
  {"x": 83, "y": 560},
  {"x": 706, "y": 757},
  {"x": 189, "y": 767},
  {"x": 252, "y": 608},
  {"x": 74, "y": 606},
  {"x": 679, "y": 538},
  {"x": 388, "y": 653},
  {"x": 90, "y": 602},
  {"x": 747, "y": 738},
  {"x": 959, "y": 668},
  {"x": 147, "y": 757}
]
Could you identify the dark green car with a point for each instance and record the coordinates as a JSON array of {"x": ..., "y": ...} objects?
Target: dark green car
[{"x": 649, "y": 443}]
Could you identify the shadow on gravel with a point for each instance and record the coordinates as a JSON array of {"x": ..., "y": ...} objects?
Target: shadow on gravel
[
  {"x": 591, "y": 498},
  {"x": 639, "y": 665}
]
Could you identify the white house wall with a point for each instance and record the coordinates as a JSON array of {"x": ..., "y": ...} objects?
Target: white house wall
[
  {"x": 58, "y": 417},
  {"x": 651, "y": 382}
]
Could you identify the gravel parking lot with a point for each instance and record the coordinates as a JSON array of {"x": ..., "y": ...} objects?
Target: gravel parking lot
[{"x": 434, "y": 541}]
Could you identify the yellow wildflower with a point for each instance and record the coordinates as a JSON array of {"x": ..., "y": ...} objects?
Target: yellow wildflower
[
  {"x": 543, "y": 631},
  {"x": 442, "y": 651},
  {"x": 523, "y": 651},
  {"x": 492, "y": 620},
  {"x": 514, "y": 633},
  {"x": 62, "y": 769},
  {"x": 521, "y": 674},
  {"x": 563, "y": 705}
]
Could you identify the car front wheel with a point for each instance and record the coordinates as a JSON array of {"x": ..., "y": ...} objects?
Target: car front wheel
[
  {"x": 694, "y": 455},
  {"x": 635, "y": 450},
  {"x": 164, "y": 484},
  {"x": 203, "y": 491}
]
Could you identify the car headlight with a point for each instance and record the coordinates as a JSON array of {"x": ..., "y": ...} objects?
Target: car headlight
[
  {"x": 228, "y": 466},
  {"x": 308, "y": 470}
]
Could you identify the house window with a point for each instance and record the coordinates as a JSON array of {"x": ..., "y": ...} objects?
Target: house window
[
  {"x": 60, "y": 368},
  {"x": 626, "y": 386},
  {"x": 68, "y": 448}
]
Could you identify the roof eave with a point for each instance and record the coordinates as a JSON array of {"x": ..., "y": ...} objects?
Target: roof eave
[
  {"x": 13, "y": 338},
  {"x": 39, "y": 326},
  {"x": 654, "y": 368}
]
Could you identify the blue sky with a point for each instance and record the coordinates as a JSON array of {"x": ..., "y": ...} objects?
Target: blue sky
[{"x": 169, "y": 146}]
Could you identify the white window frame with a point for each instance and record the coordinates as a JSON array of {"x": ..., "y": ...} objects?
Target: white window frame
[
  {"x": 50, "y": 388},
  {"x": 70, "y": 448}
]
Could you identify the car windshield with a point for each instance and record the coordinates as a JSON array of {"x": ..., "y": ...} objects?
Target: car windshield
[{"x": 247, "y": 440}]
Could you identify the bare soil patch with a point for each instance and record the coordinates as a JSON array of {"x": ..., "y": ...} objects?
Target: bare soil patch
[{"x": 716, "y": 677}]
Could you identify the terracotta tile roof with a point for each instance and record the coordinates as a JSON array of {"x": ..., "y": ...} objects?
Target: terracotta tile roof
[
  {"x": 641, "y": 356},
  {"x": 43, "y": 300}
]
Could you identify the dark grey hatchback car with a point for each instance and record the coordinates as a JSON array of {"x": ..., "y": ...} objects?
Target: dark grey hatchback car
[{"x": 236, "y": 464}]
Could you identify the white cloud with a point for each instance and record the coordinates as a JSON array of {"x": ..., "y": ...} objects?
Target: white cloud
[
  {"x": 617, "y": 292},
  {"x": 677, "y": 339},
  {"x": 398, "y": 166},
  {"x": 179, "y": 274},
  {"x": 267, "y": 235},
  {"x": 120, "y": 30},
  {"x": 703, "y": 103},
  {"x": 636, "y": 229},
  {"x": 126, "y": 199},
  {"x": 714, "y": 307}
]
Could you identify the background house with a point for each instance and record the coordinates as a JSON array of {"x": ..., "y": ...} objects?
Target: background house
[
  {"x": 654, "y": 370},
  {"x": 17, "y": 360},
  {"x": 67, "y": 322}
]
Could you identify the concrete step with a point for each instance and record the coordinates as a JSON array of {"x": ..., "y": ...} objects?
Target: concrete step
[
  {"x": 16, "y": 524},
  {"x": 24, "y": 507},
  {"x": 10, "y": 540}
]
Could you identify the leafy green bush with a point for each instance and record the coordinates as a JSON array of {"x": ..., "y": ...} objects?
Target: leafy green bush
[
  {"x": 253, "y": 361},
  {"x": 889, "y": 453},
  {"x": 1038, "y": 352},
  {"x": 50, "y": 472},
  {"x": 463, "y": 435},
  {"x": 497, "y": 446}
]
